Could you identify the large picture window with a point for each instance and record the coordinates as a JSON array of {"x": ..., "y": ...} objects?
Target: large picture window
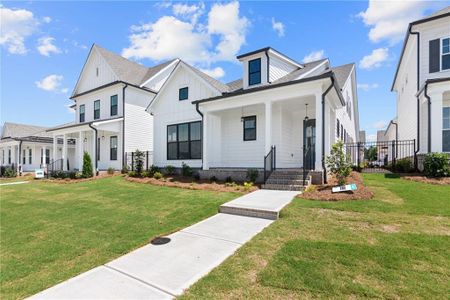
[
  {"x": 96, "y": 109},
  {"x": 445, "y": 54},
  {"x": 82, "y": 113},
  {"x": 184, "y": 141},
  {"x": 254, "y": 71},
  {"x": 249, "y": 128},
  {"x": 113, "y": 148},
  {"x": 446, "y": 129},
  {"x": 114, "y": 105}
]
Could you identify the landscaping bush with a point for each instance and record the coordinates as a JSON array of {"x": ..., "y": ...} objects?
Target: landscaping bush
[
  {"x": 87, "y": 166},
  {"x": 64, "y": 174},
  {"x": 8, "y": 172},
  {"x": 132, "y": 174},
  {"x": 186, "y": 170},
  {"x": 229, "y": 179},
  {"x": 170, "y": 170},
  {"x": 139, "y": 162},
  {"x": 213, "y": 179},
  {"x": 154, "y": 169},
  {"x": 78, "y": 175},
  {"x": 196, "y": 176},
  {"x": 146, "y": 174},
  {"x": 248, "y": 185},
  {"x": 110, "y": 171},
  {"x": 403, "y": 165},
  {"x": 124, "y": 169},
  {"x": 157, "y": 175},
  {"x": 436, "y": 165},
  {"x": 252, "y": 175},
  {"x": 337, "y": 163}
]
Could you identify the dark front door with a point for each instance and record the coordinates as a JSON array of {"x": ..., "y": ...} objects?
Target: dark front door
[{"x": 309, "y": 144}]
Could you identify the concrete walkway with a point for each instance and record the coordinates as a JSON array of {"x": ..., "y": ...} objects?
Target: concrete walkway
[
  {"x": 13, "y": 183},
  {"x": 165, "y": 271}
]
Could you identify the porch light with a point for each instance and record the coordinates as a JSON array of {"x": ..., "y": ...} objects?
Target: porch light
[
  {"x": 306, "y": 115},
  {"x": 85, "y": 140}
]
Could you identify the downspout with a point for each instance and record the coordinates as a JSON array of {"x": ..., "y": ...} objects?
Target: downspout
[
  {"x": 268, "y": 64},
  {"x": 20, "y": 157},
  {"x": 96, "y": 149},
  {"x": 201, "y": 114},
  {"x": 429, "y": 117},
  {"x": 417, "y": 88},
  {"x": 323, "y": 129},
  {"x": 123, "y": 126},
  {"x": 396, "y": 136}
]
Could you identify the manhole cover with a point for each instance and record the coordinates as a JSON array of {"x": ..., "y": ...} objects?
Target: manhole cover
[{"x": 160, "y": 241}]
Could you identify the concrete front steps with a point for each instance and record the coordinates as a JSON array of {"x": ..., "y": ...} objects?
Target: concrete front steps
[{"x": 288, "y": 180}]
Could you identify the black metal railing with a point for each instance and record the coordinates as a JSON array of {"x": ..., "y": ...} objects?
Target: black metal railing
[
  {"x": 55, "y": 165},
  {"x": 130, "y": 160},
  {"x": 309, "y": 160},
  {"x": 270, "y": 162}
]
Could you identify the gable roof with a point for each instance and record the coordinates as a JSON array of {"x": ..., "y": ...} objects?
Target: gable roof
[
  {"x": 299, "y": 72},
  {"x": 221, "y": 87},
  {"x": 14, "y": 130},
  {"x": 342, "y": 73}
]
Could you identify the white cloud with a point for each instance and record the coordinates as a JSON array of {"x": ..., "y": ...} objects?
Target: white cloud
[
  {"x": 388, "y": 20},
  {"x": 190, "y": 12},
  {"x": 313, "y": 56},
  {"x": 16, "y": 25},
  {"x": 219, "y": 38},
  {"x": 217, "y": 72},
  {"x": 47, "y": 19},
  {"x": 46, "y": 46},
  {"x": 380, "y": 125},
  {"x": 278, "y": 27},
  {"x": 51, "y": 83},
  {"x": 367, "y": 86},
  {"x": 375, "y": 59}
]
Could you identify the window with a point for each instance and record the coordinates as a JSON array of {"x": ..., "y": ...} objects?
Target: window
[
  {"x": 96, "y": 109},
  {"x": 114, "y": 105},
  {"x": 184, "y": 141},
  {"x": 30, "y": 156},
  {"x": 9, "y": 156},
  {"x": 254, "y": 71},
  {"x": 445, "y": 54},
  {"x": 183, "y": 93},
  {"x": 24, "y": 156},
  {"x": 338, "y": 128},
  {"x": 446, "y": 129},
  {"x": 82, "y": 108},
  {"x": 47, "y": 156},
  {"x": 345, "y": 136},
  {"x": 113, "y": 148},
  {"x": 249, "y": 128},
  {"x": 342, "y": 132}
]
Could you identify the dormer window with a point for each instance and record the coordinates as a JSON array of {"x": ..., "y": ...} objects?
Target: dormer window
[
  {"x": 183, "y": 93},
  {"x": 445, "y": 55},
  {"x": 254, "y": 71}
]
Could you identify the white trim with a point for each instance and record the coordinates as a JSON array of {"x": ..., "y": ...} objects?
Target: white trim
[
  {"x": 281, "y": 56},
  {"x": 159, "y": 72},
  {"x": 312, "y": 70},
  {"x": 441, "y": 50},
  {"x": 107, "y": 121}
]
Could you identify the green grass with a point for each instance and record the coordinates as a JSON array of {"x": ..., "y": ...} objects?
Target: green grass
[
  {"x": 51, "y": 232},
  {"x": 396, "y": 245}
]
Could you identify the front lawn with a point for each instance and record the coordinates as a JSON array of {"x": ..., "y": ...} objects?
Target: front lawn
[
  {"x": 51, "y": 232},
  {"x": 396, "y": 245}
]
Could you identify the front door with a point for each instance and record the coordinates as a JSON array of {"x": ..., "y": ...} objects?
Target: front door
[{"x": 309, "y": 144}]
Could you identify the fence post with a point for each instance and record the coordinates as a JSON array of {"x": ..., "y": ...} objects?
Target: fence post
[
  {"x": 132, "y": 161},
  {"x": 393, "y": 156}
]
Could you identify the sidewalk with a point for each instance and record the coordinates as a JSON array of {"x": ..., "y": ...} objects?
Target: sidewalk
[{"x": 165, "y": 271}]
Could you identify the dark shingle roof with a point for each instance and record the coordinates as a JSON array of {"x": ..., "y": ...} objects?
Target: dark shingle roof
[
  {"x": 342, "y": 73},
  {"x": 14, "y": 130}
]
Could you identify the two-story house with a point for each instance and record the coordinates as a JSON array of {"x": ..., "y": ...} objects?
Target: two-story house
[
  {"x": 110, "y": 98},
  {"x": 422, "y": 84},
  {"x": 301, "y": 109}
]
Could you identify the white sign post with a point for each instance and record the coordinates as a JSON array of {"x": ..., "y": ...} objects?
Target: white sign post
[
  {"x": 344, "y": 188},
  {"x": 39, "y": 173}
]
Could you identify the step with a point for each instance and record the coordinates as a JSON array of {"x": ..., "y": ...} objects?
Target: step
[
  {"x": 249, "y": 212},
  {"x": 287, "y": 181},
  {"x": 289, "y": 177},
  {"x": 283, "y": 187}
]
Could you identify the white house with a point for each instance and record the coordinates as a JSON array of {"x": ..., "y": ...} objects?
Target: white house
[
  {"x": 301, "y": 109},
  {"x": 110, "y": 98},
  {"x": 422, "y": 84}
]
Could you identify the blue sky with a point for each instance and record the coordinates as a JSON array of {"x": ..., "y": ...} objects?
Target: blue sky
[{"x": 44, "y": 44}]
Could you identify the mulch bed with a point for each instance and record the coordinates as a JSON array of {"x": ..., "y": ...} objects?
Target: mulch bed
[
  {"x": 188, "y": 183},
  {"x": 421, "y": 178},
  {"x": 68, "y": 180},
  {"x": 323, "y": 192}
]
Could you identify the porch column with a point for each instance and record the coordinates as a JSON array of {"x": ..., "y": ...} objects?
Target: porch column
[
  {"x": 79, "y": 145},
  {"x": 55, "y": 144},
  {"x": 318, "y": 146},
  {"x": 436, "y": 122},
  {"x": 268, "y": 127},
  {"x": 64, "y": 152},
  {"x": 205, "y": 141},
  {"x": 44, "y": 149}
]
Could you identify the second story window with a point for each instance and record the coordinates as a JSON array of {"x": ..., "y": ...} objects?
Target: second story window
[
  {"x": 254, "y": 71},
  {"x": 114, "y": 105},
  {"x": 445, "y": 54},
  {"x": 96, "y": 109},
  {"x": 183, "y": 93},
  {"x": 82, "y": 111}
]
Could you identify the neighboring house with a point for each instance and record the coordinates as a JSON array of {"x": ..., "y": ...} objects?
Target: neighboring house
[
  {"x": 110, "y": 98},
  {"x": 422, "y": 84},
  {"x": 362, "y": 136},
  {"x": 223, "y": 128},
  {"x": 26, "y": 147}
]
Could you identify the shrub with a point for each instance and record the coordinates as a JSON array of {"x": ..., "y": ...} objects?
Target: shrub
[
  {"x": 78, "y": 175},
  {"x": 132, "y": 174},
  {"x": 9, "y": 172},
  {"x": 230, "y": 184},
  {"x": 213, "y": 179},
  {"x": 170, "y": 170},
  {"x": 311, "y": 188},
  {"x": 139, "y": 162},
  {"x": 436, "y": 165},
  {"x": 229, "y": 179},
  {"x": 404, "y": 165},
  {"x": 154, "y": 169},
  {"x": 252, "y": 175},
  {"x": 146, "y": 174},
  {"x": 87, "y": 166},
  {"x": 337, "y": 163},
  {"x": 110, "y": 171},
  {"x": 124, "y": 169},
  {"x": 157, "y": 175},
  {"x": 196, "y": 176},
  {"x": 186, "y": 170}
]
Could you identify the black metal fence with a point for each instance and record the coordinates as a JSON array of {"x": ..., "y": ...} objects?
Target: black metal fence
[
  {"x": 270, "y": 162},
  {"x": 130, "y": 160},
  {"x": 382, "y": 156}
]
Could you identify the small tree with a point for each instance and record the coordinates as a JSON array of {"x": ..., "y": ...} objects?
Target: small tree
[
  {"x": 87, "y": 166},
  {"x": 337, "y": 163},
  {"x": 138, "y": 162}
]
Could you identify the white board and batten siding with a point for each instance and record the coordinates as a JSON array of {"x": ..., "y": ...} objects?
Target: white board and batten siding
[
  {"x": 279, "y": 67},
  {"x": 168, "y": 110}
]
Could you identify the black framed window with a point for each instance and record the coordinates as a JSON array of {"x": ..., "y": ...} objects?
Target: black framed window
[
  {"x": 9, "y": 156},
  {"x": 24, "y": 156},
  {"x": 183, "y": 93},
  {"x": 114, "y": 105},
  {"x": 113, "y": 148},
  {"x": 342, "y": 132},
  {"x": 338, "y": 127},
  {"x": 446, "y": 129},
  {"x": 184, "y": 141},
  {"x": 249, "y": 127},
  {"x": 82, "y": 113},
  {"x": 96, "y": 109},
  {"x": 445, "y": 54},
  {"x": 47, "y": 156},
  {"x": 254, "y": 71},
  {"x": 30, "y": 156}
]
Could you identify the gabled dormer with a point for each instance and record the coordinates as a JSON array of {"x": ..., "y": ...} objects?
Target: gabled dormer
[{"x": 264, "y": 66}]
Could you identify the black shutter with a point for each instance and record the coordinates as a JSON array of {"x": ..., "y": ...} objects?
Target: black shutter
[{"x": 434, "y": 56}]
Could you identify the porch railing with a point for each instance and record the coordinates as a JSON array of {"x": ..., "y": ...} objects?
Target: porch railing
[
  {"x": 130, "y": 160},
  {"x": 55, "y": 165},
  {"x": 270, "y": 162}
]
